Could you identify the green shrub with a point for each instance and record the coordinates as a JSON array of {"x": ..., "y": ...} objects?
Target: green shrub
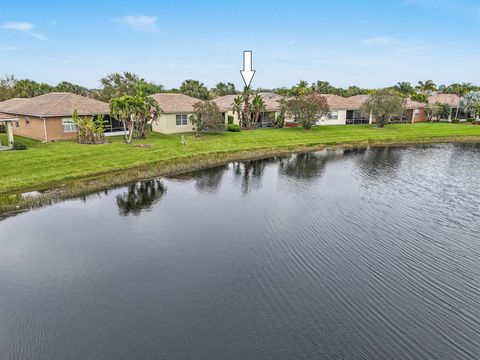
[
  {"x": 19, "y": 146},
  {"x": 470, "y": 120},
  {"x": 230, "y": 119},
  {"x": 455, "y": 121},
  {"x": 233, "y": 128}
]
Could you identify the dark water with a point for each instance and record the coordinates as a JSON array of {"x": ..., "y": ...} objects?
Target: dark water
[{"x": 367, "y": 254}]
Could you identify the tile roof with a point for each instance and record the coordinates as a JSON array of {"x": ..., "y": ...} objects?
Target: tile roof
[
  {"x": 451, "y": 99},
  {"x": 175, "y": 103},
  {"x": 54, "y": 104}
]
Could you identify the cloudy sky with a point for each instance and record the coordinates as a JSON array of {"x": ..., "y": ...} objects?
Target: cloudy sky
[{"x": 370, "y": 43}]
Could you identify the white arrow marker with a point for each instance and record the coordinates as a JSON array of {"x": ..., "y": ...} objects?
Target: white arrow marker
[{"x": 247, "y": 72}]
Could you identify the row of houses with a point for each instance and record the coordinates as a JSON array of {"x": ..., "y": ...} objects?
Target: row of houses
[{"x": 49, "y": 117}]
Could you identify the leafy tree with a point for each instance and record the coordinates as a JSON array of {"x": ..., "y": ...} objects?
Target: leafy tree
[
  {"x": 206, "y": 116},
  {"x": 89, "y": 130},
  {"x": 279, "y": 120},
  {"x": 419, "y": 97},
  {"x": 404, "y": 88},
  {"x": 118, "y": 84},
  {"x": 444, "y": 111},
  {"x": 383, "y": 105},
  {"x": 242, "y": 106},
  {"x": 65, "y": 86},
  {"x": 458, "y": 89},
  {"x": 28, "y": 88},
  {"x": 307, "y": 109},
  {"x": 7, "y": 85},
  {"x": 194, "y": 88},
  {"x": 301, "y": 88},
  {"x": 222, "y": 89},
  {"x": 471, "y": 104}
]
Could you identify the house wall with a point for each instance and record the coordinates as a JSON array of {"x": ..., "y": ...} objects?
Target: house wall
[
  {"x": 342, "y": 119},
  {"x": 166, "y": 124},
  {"x": 420, "y": 116},
  {"x": 35, "y": 130}
]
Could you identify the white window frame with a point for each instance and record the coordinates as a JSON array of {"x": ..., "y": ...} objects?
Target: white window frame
[
  {"x": 331, "y": 115},
  {"x": 68, "y": 125},
  {"x": 183, "y": 119}
]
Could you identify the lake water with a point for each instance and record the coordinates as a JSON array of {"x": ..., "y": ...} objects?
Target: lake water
[{"x": 363, "y": 254}]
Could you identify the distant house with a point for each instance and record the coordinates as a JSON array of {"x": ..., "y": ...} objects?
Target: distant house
[
  {"x": 177, "y": 109},
  {"x": 452, "y": 100},
  {"x": 48, "y": 117}
]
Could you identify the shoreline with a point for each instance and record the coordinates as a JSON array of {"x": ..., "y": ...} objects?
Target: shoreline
[{"x": 15, "y": 202}]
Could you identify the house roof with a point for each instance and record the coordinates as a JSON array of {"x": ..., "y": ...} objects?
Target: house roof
[
  {"x": 271, "y": 101},
  {"x": 54, "y": 104},
  {"x": 357, "y": 101},
  {"x": 336, "y": 102},
  {"x": 175, "y": 103},
  {"x": 451, "y": 99},
  {"x": 5, "y": 117}
]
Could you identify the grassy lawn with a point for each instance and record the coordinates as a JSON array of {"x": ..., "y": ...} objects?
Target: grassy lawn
[{"x": 53, "y": 163}]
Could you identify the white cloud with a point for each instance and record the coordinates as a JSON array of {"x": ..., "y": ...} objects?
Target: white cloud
[
  {"x": 139, "y": 22},
  {"x": 20, "y": 26},
  {"x": 380, "y": 40},
  {"x": 24, "y": 27}
]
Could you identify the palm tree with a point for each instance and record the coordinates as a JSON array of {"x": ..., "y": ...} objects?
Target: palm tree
[
  {"x": 258, "y": 106},
  {"x": 426, "y": 87}
]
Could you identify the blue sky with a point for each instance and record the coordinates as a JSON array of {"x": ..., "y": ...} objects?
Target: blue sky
[{"x": 367, "y": 43}]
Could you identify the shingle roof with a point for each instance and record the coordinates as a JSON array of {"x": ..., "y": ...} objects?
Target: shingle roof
[
  {"x": 451, "y": 99},
  {"x": 336, "y": 102},
  {"x": 175, "y": 103},
  {"x": 54, "y": 104},
  {"x": 357, "y": 101},
  {"x": 4, "y": 117}
]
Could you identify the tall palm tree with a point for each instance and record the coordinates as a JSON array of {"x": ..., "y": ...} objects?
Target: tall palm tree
[{"x": 427, "y": 86}]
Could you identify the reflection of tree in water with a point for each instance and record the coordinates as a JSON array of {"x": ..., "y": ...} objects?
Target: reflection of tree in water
[
  {"x": 140, "y": 196},
  {"x": 379, "y": 162},
  {"x": 251, "y": 172},
  {"x": 209, "y": 180},
  {"x": 307, "y": 166}
]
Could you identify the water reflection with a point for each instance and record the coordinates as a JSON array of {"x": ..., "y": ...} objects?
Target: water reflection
[
  {"x": 309, "y": 165},
  {"x": 140, "y": 196},
  {"x": 208, "y": 180},
  {"x": 250, "y": 173},
  {"x": 379, "y": 162}
]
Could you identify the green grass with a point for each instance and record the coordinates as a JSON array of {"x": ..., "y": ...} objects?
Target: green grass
[{"x": 45, "y": 165}]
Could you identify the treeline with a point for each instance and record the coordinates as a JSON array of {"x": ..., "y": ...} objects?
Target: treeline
[{"x": 126, "y": 83}]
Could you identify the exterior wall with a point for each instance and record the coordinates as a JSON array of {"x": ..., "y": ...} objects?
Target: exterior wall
[
  {"x": 342, "y": 119},
  {"x": 166, "y": 124},
  {"x": 55, "y": 130},
  {"x": 35, "y": 130},
  {"x": 420, "y": 116}
]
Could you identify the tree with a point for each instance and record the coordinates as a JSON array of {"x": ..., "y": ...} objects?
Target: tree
[
  {"x": 206, "y": 116},
  {"x": 65, "y": 86},
  {"x": 426, "y": 87},
  {"x": 118, "y": 84},
  {"x": 307, "y": 109},
  {"x": 404, "y": 88},
  {"x": 6, "y": 87},
  {"x": 222, "y": 89},
  {"x": 28, "y": 88},
  {"x": 258, "y": 106},
  {"x": 194, "y": 88},
  {"x": 419, "y": 97},
  {"x": 279, "y": 120},
  {"x": 242, "y": 106},
  {"x": 444, "y": 111},
  {"x": 301, "y": 88},
  {"x": 471, "y": 104},
  {"x": 135, "y": 113},
  {"x": 383, "y": 105},
  {"x": 89, "y": 130}
]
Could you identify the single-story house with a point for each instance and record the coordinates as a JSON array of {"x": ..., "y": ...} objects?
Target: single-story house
[
  {"x": 452, "y": 100},
  {"x": 48, "y": 117},
  {"x": 225, "y": 103},
  {"x": 177, "y": 109},
  {"x": 339, "y": 110}
]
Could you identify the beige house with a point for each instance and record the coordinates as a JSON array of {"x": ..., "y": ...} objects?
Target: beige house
[
  {"x": 48, "y": 117},
  {"x": 452, "y": 100},
  {"x": 177, "y": 109}
]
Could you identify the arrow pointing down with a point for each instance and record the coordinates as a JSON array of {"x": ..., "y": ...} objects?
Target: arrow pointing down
[{"x": 247, "y": 72}]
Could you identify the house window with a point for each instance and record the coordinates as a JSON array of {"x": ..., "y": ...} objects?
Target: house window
[
  {"x": 27, "y": 120},
  {"x": 181, "y": 120},
  {"x": 333, "y": 115},
  {"x": 417, "y": 113},
  {"x": 17, "y": 124},
  {"x": 68, "y": 125}
]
